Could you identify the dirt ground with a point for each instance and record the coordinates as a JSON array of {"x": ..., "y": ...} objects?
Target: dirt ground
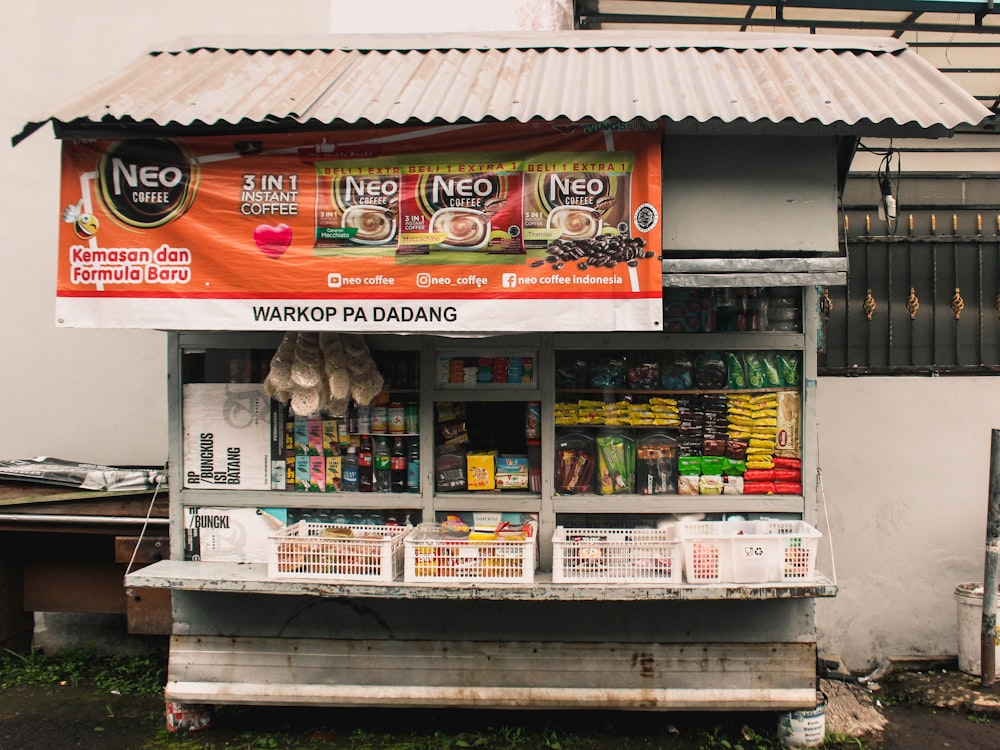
[{"x": 943, "y": 709}]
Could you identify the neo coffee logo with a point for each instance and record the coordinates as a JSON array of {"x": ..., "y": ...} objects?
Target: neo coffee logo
[{"x": 147, "y": 182}]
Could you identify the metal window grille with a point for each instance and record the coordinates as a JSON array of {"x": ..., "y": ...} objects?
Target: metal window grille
[{"x": 922, "y": 297}]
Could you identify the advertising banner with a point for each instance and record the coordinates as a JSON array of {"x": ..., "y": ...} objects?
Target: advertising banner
[{"x": 455, "y": 228}]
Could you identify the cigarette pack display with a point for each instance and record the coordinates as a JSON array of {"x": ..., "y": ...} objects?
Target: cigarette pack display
[
  {"x": 230, "y": 534},
  {"x": 227, "y": 436}
]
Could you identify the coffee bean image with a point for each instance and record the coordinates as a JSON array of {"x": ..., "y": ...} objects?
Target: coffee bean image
[{"x": 605, "y": 251}]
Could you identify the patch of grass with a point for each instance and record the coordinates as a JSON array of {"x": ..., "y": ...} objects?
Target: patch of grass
[
  {"x": 838, "y": 741},
  {"x": 126, "y": 674}
]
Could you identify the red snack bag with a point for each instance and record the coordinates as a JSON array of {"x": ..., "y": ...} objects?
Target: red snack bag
[
  {"x": 786, "y": 475},
  {"x": 758, "y": 488},
  {"x": 785, "y": 462},
  {"x": 787, "y": 488},
  {"x": 759, "y": 475}
]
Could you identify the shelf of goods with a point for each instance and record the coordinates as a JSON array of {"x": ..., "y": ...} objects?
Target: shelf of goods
[{"x": 542, "y": 431}]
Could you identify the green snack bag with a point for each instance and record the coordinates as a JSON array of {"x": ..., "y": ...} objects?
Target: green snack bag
[
  {"x": 734, "y": 468},
  {"x": 754, "y": 369},
  {"x": 772, "y": 376},
  {"x": 788, "y": 368},
  {"x": 737, "y": 375},
  {"x": 689, "y": 465},
  {"x": 712, "y": 464}
]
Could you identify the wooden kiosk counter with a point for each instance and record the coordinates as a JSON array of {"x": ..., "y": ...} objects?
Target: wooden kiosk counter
[{"x": 475, "y": 403}]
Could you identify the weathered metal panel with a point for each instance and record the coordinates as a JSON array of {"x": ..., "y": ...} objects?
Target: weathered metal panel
[
  {"x": 855, "y": 83},
  {"x": 633, "y": 676},
  {"x": 141, "y": 550},
  {"x": 148, "y": 611},
  {"x": 749, "y": 194},
  {"x": 243, "y": 615}
]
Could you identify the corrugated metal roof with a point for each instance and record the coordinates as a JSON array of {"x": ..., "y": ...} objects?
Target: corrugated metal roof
[{"x": 847, "y": 83}]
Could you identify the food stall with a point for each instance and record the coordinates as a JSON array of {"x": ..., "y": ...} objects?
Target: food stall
[{"x": 484, "y": 390}]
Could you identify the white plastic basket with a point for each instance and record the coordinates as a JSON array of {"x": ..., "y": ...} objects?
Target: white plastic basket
[
  {"x": 764, "y": 551},
  {"x": 433, "y": 556},
  {"x": 708, "y": 556},
  {"x": 616, "y": 556},
  {"x": 799, "y": 543},
  {"x": 306, "y": 550}
]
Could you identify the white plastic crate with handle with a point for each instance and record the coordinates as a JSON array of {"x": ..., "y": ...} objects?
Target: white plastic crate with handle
[
  {"x": 344, "y": 552},
  {"x": 616, "y": 556},
  {"x": 762, "y": 551},
  {"x": 434, "y": 556}
]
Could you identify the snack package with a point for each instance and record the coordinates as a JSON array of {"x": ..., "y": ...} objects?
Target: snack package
[
  {"x": 737, "y": 374},
  {"x": 575, "y": 463},
  {"x": 687, "y": 484},
  {"x": 656, "y": 465},
  {"x": 615, "y": 464},
  {"x": 608, "y": 375},
  {"x": 789, "y": 368},
  {"x": 710, "y": 371},
  {"x": 451, "y": 425},
  {"x": 788, "y": 425},
  {"x": 643, "y": 374},
  {"x": 677, "y": 372},
  {"x": 450, "y": 470}
]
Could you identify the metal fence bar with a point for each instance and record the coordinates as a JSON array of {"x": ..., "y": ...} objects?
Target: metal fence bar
[{"x": 889, "y": 295}]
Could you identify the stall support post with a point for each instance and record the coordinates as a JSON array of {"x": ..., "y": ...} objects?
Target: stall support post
[{"x": 989, "y": 632}]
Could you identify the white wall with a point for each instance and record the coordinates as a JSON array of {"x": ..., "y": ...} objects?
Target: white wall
[
  {"x": 905, "y": 466},
  {"x": 83, "y": 395},
  {"x": 406, "y": 16}
]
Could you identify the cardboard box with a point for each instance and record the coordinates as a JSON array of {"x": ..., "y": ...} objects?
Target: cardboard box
[
  {"x": 278, "y": 418},
  {"x": 512, "y": 473},
  {"x": 227, "y": 436},
  {"x": 303, "y": 474},
  {"x": 481, "y": 469},
  {"x": 333, "y": 474},
  {"x": 317, "y": 473},
  {"x": 331, "y": 438},
  {"x": 230, "y": 534}
]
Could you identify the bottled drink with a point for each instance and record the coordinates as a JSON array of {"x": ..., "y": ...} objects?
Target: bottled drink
[
  {"x": 366, "y": 465},
  {"x": 397, "y": 466},
  {"x": 349, "y": 470},
  {"x": 382, "y": 476},
  {"x": 413, "y": 467}
]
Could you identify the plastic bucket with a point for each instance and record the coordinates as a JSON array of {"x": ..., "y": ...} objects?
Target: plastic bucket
[
  {"x": 804, "y": 728},
  {"x": 188, "y": 717},
  {"x": 969, "y": 597}
]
